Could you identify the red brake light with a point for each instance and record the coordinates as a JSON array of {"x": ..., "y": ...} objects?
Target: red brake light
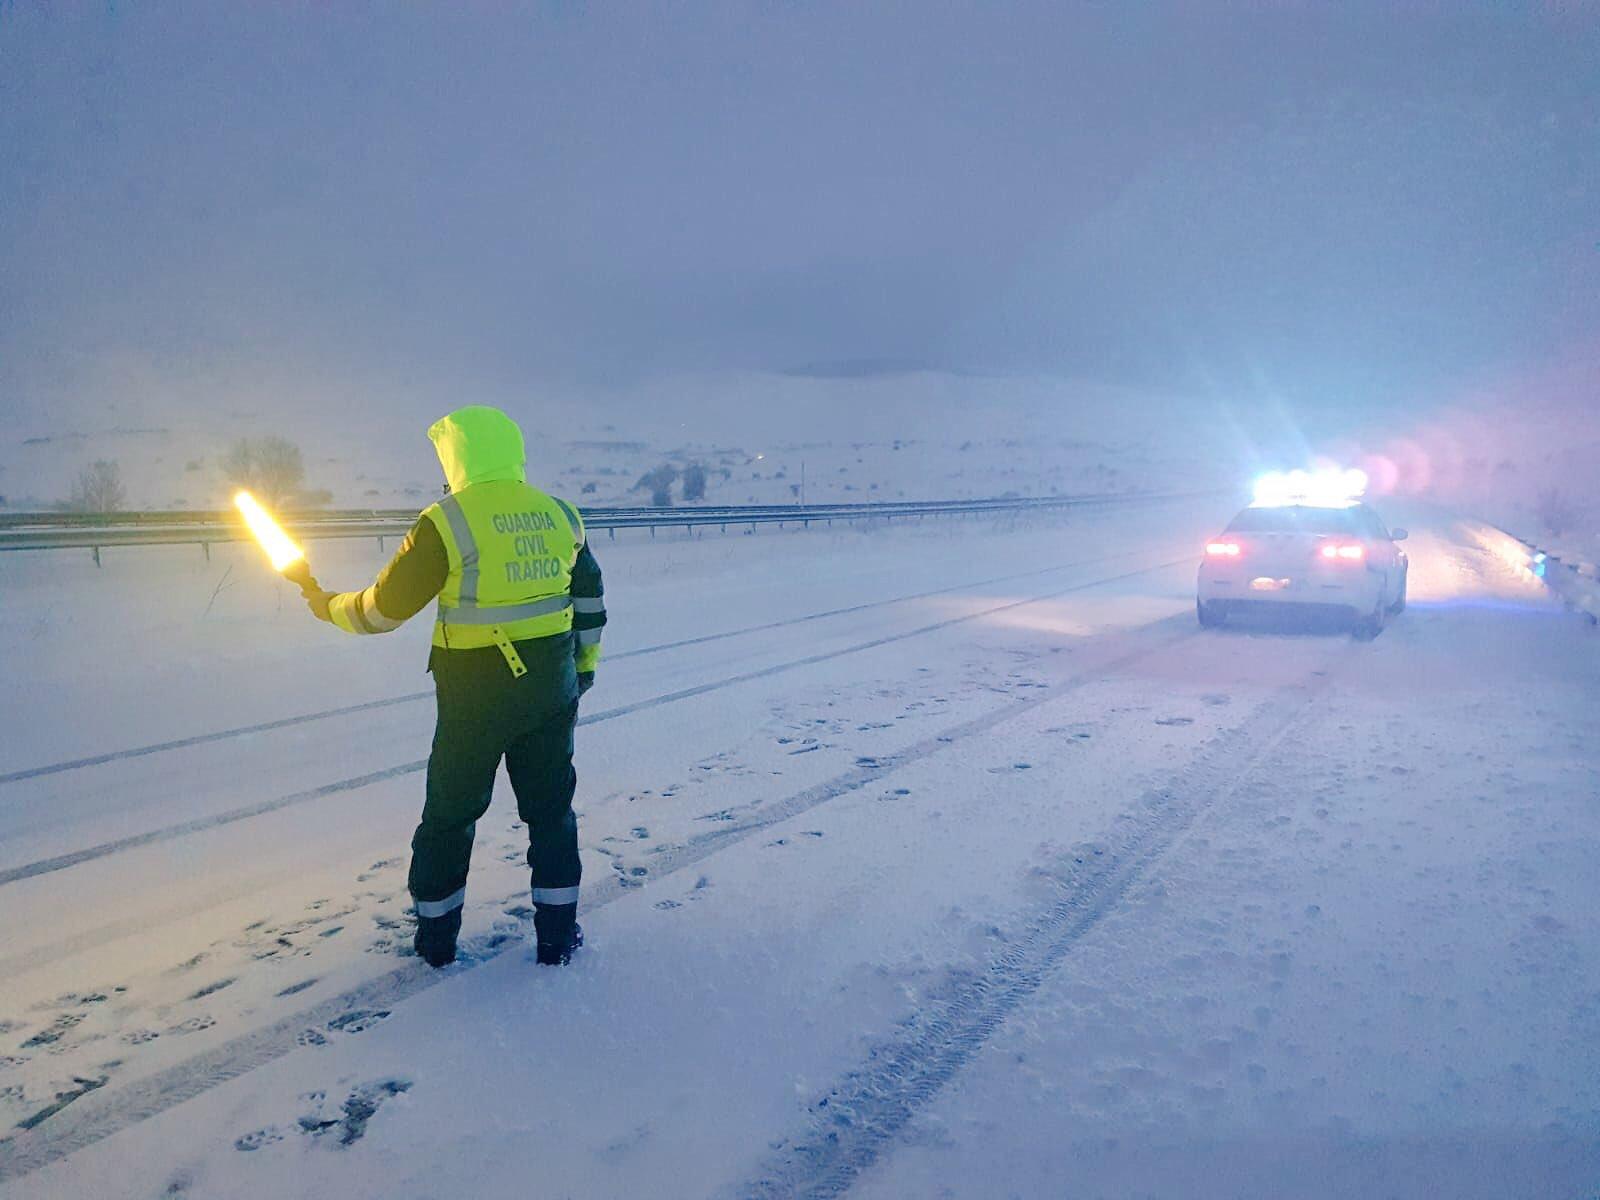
[
  {"x": 1349, "y": 551},
  {"x": 1223, "y": 549}
]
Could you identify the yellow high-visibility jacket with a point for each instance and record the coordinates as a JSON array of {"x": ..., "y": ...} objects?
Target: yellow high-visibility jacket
[{"x": 514, "y": 561}]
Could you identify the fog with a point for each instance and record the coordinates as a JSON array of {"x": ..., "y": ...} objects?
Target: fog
[
  {"x": 964, "y": 787},
  {"x": 1353, "y": 210}
]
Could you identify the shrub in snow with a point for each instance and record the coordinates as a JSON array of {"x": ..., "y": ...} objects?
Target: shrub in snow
[
  {"x": 694, "y": 482},
  {"x": 99, "y": 488},
  {"x": 659, "y": 482}
]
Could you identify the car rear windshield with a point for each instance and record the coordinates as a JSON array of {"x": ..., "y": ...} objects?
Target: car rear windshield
[{"x": 1298, "y": 519}]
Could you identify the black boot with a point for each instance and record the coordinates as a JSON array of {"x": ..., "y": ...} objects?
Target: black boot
[
  {"x": 436, "y": 938},
  {"x": 551, "y": 954},
  {"x": 557, "y": 933}
]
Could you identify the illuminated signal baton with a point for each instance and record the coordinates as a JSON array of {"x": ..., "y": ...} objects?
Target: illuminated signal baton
[{"x": 286, "y": 558}]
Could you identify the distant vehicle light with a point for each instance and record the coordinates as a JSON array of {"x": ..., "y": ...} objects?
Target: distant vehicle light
[
  {"x": 1315, "y": 489},
  {"x": 1223, "y": 549}
]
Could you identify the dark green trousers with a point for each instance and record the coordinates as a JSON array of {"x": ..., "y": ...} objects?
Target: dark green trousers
[{"x": 487, "y": 716}]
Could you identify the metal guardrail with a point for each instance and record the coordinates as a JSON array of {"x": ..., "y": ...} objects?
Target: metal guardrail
[
  {"x": 1575, "y": 583},
  {"x": 97, "y": 531}
]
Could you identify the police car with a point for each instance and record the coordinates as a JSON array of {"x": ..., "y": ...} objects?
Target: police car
[{"x": 1308, "y": 543}]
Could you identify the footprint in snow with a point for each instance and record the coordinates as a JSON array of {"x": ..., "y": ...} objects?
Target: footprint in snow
[
  {"x": 348, "y": 1123},
  {"x": 1174, "y": 720},
  {"x": 257, "y": 1139},
  {"x": 193, "y": 1025},
  {"x": 383, "y": 864},
  {"x": 358, "y": 1021},
  {"x": 54, "y": 1032},
  {"x": 293, "y": 988},
  {"x": 358, "y": 1109}
]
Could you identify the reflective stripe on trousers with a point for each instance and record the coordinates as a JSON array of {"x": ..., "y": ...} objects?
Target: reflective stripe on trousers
[
  {"x": 566, "y": 895},
  {"x": 441, "y": 908}
]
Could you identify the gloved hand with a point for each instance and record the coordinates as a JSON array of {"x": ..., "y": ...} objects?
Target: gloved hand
[
  {"x": 317, "y": 601},
  {"x": 585, "y": 681}
]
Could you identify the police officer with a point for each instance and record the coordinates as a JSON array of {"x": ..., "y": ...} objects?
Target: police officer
[{"x": 515, "y": 643}]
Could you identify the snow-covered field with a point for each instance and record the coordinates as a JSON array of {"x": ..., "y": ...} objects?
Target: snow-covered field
[
  {"x": 945, "y": 859},
  {"x": 763, "y": 438}
]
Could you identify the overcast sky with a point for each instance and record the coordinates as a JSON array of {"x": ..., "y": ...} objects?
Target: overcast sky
[{"x": 1339, "y": 203}]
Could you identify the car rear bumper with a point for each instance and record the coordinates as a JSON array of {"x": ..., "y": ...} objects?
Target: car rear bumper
[
  {"x": 1312, "y": 590},
  {"x": 1289, "y": 610}
]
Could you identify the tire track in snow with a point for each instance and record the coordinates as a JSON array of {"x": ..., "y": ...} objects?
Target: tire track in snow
[
  {"x": 202, "y": 739},
  {"x": 111, "y": 1109},
  {"x": 62, "y": 862},
  {"x": 863, "y": 1113}
]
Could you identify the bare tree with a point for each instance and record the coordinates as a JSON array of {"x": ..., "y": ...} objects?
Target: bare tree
[
  {"x": 268, "y": 466},
  {"x": 99, "y": 488}
]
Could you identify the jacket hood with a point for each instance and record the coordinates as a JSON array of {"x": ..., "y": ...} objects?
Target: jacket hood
[{"x": 478, "y": 444}]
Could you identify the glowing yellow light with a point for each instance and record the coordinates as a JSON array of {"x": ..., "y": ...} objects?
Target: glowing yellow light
[{"x": 280, "y": 550}]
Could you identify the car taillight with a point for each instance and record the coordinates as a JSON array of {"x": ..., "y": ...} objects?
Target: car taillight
[
  {"x": 1346, "y": 551},
  {"x": 1222, "y": 549}
]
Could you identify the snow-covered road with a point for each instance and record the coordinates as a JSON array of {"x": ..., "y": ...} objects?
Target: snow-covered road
[{"x": 1006, "y": 880}]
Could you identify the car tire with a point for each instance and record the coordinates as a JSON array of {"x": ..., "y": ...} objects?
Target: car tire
[
  {"x": 1210, "y": 613},
  {"x": 1371, "y": 625},
  {"x": 1399, "y": 605}
]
